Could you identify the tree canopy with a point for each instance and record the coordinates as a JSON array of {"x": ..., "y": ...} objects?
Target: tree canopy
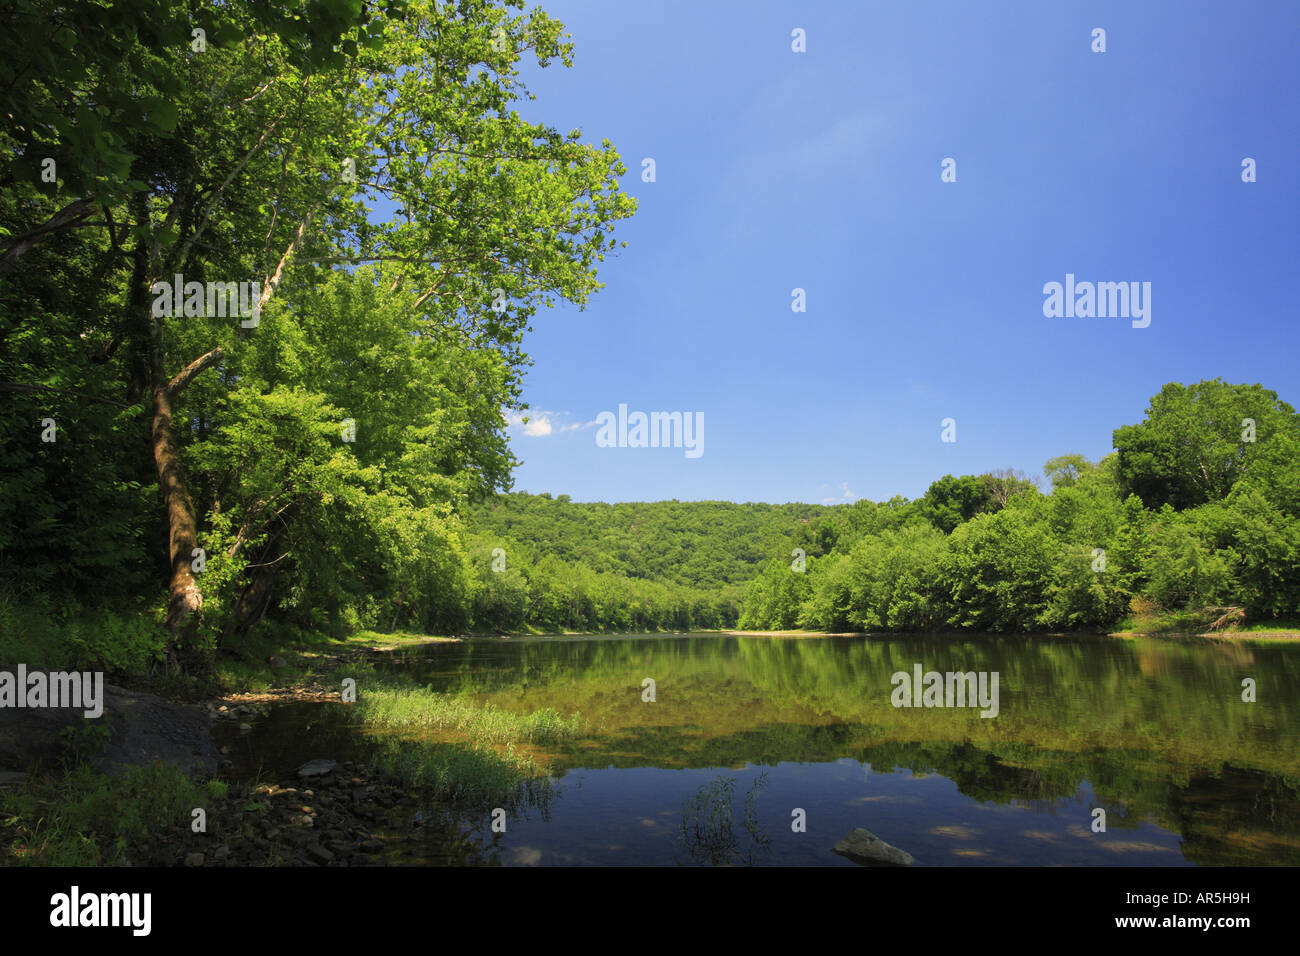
[{"x": 390, "y": 222}]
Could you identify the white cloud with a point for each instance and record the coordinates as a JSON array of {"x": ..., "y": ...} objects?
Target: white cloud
[
  {"x": 542, "y": 423},
  {"x": 538, "y": 426},
  {"x": 848, "y": 497}
]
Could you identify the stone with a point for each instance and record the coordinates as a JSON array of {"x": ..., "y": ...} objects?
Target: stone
[
  {"x": 193, "y": 859},
  {"x": 141, "y": 728},
  {"x": 317, "y": 768},
  {"x": 864, "y": 847},
  {"x": 319, "y": 854}
]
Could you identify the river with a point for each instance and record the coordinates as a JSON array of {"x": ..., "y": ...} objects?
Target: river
[{"x": 767, "y": 751}]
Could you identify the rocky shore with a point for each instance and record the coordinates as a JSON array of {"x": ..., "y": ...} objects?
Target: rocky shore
[{"x": 331, "y": 815}]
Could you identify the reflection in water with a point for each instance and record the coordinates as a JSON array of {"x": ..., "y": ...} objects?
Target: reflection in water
[
  {"x": 1154, "y": 733},
  {"x": 706, "y": 829}
]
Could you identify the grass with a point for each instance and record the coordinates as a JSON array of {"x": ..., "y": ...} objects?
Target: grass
[
  {"x": 411, "y": 710},
  {"x": 459, "y": 748},
  {"x": 85, "y": 818},
  {"x": 466, "y": 774}
]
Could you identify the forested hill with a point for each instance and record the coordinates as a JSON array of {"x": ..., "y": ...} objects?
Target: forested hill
[{"x": 698, "y": 544}]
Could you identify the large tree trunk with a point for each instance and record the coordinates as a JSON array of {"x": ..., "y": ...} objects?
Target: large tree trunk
[
  {"x": 255, "y": 600},
  {"x": 185, "y": 597},
  {"x": 256, "y": 597}
]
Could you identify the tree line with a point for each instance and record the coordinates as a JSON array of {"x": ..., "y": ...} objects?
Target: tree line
[{"x": 1194, "y": 519}]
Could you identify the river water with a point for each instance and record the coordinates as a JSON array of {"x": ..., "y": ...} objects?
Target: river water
[{"x": 767, "y": 751}]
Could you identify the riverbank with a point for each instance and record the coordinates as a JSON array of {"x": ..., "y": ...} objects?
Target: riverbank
[
  {"x": 1241, "y": 636},
  {"x": 436, "y": 757}
]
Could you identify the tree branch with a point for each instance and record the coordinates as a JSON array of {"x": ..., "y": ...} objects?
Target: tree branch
[
  {"x": 184, "y": 377},
  {"x": 65, "y": 217}
]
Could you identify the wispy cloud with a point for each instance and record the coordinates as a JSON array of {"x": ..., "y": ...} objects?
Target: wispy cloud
[
  {"x": 540, "y": 423},
  {"x": 848, "y": 497},
  {"x": 840, "y": 146}
]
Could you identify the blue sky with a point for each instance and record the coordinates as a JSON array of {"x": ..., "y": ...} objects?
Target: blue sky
[{"x": 821, "y": 170}]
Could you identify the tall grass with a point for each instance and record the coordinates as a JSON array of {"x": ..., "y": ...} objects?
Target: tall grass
[
  {"x": 482, "y": 764},
  {"x": 416, "y": 710},
  {"x": 89, "y": 819},
  {"x": 467, "y": 774}
]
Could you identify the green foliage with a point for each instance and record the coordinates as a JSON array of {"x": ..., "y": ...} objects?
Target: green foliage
[
  {"x": 950, "y": 501},
  {"x": 772, "y": 600},
  {"x": 1004, "y": 557},
  {"x": 1195, "y": 442},
  {"x": 698, "y": 544},
  {"x": 642, "y": 566},
  {"x": 88, "y": 819},
  {"x": 69, "y": 637},
  {"x": 232, "y": 164}
]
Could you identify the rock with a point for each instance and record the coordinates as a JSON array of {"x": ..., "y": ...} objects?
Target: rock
[
  {"x": 142, "y": 728},
  {"x": 863, "y": 846},
  {"x": 319, "y": 854},
  {"x": 193, "y": 859},
  {"x": 221, "y": 854},
  {"x": 245, "y": 727},
  {"x": 298, "y": 837},
  {"x": 317, "y": 768}
]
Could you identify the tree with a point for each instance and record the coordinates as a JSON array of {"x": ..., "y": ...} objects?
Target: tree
[
  {"x": 950, "y": 501},
  {"x": 77, "y": 94},
  {"x": 258, "y": 165},
  {"x": 1002, "y": 485},
  {"x": 1064, "y": 471},
  {"x": 1197, "y": 441}
]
